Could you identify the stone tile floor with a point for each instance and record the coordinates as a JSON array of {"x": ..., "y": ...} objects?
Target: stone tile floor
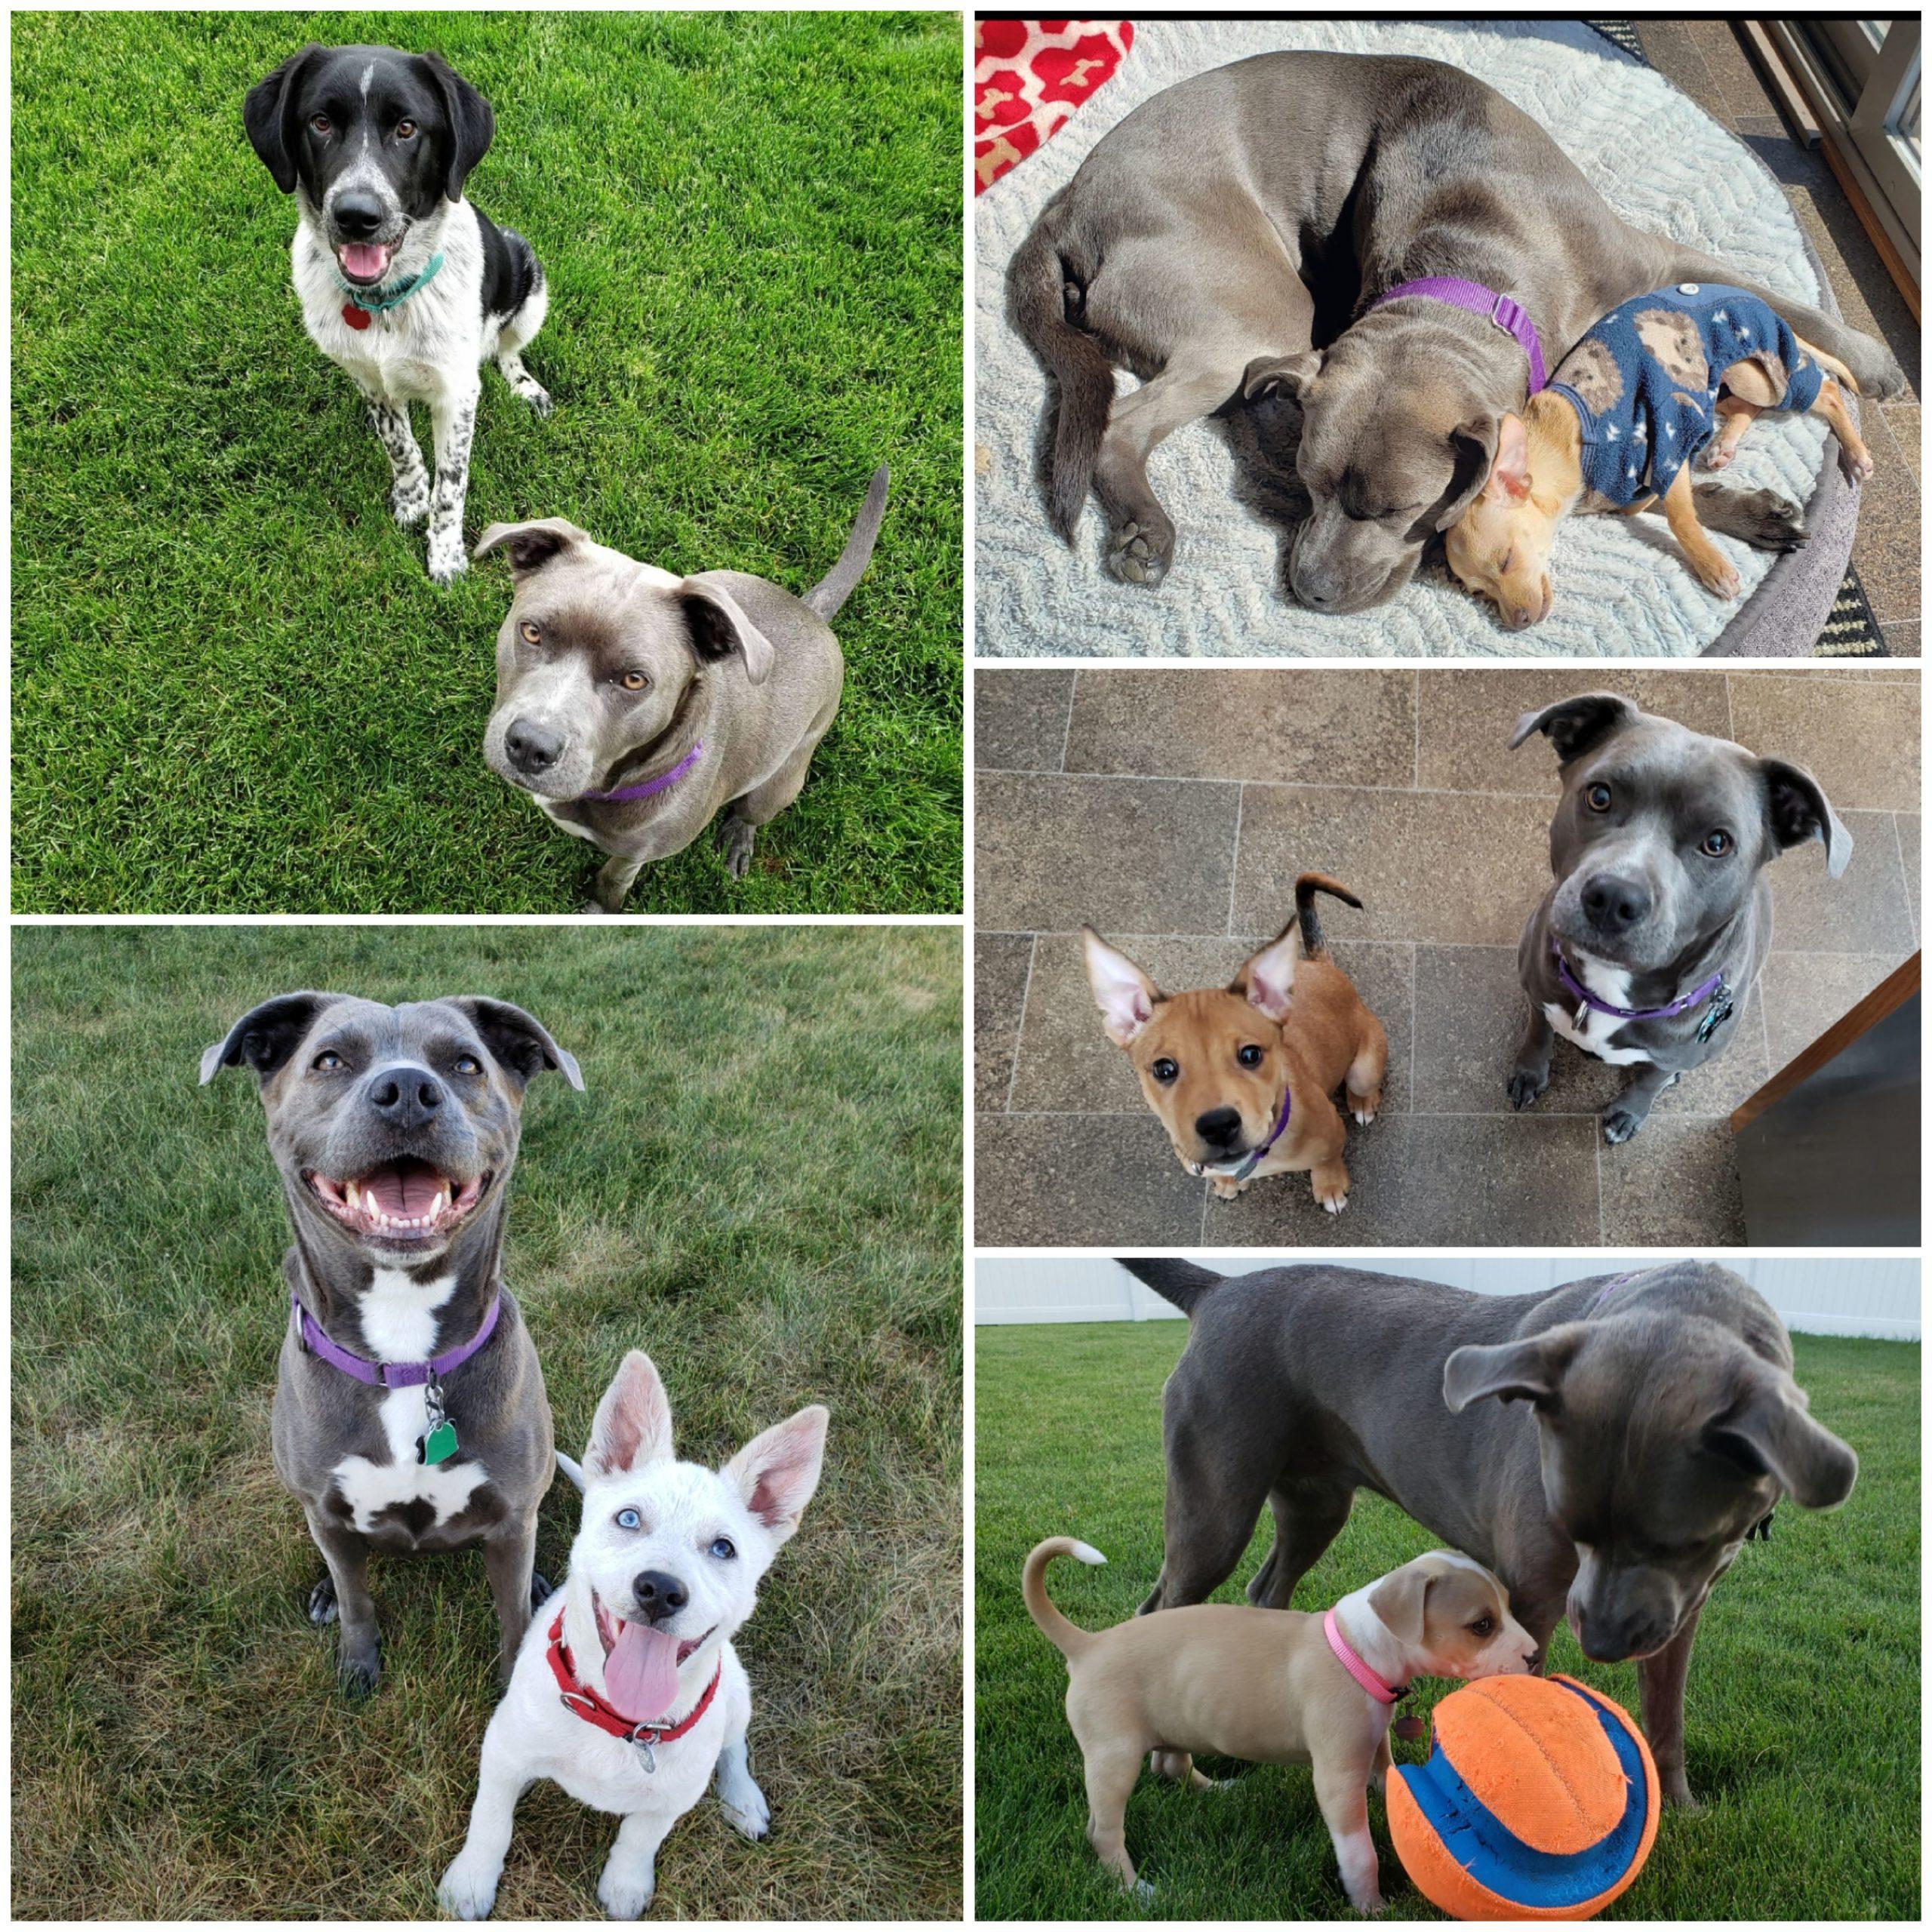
[
  {"x": 1705, "y": 59},
  {"x": 1172, "y": 807}
]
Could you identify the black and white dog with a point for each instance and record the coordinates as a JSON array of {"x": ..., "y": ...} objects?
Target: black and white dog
[{"x": 402, "y": 281}]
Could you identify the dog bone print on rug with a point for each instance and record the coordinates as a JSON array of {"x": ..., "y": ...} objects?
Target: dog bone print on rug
[{"x": 1028, "y": 78}]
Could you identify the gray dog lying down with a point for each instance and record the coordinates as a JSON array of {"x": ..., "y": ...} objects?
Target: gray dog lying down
[
  {"x": 635, "y": 705},
  {"x": 1230, "y": 224}
]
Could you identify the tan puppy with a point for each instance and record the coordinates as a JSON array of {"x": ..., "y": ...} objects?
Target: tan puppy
[
  {"x": 1268, "y": 1686},
  {"x": 1219, "y": 1066},
  {"x": 1500, "y": 547}
]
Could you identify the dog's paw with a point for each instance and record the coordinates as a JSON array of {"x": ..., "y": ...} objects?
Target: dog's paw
[
  {"x": 747, "y": 1811},
  {"x": 626, "y": 1894},
  {"x": 1618, "y": 1124},
  {"x": 322, "y": 1610},
  {"x": 1527, "y": 1086},
  {"x": 735, "y": 840},
  {"x": 1140, "y": 556},
  {"x": 538, "y": 397},
  {"x": 1141, "y": 1889},
  {"x": 1334, "y": 1204},
  {"x": 1371, "y": 1907},
  {"x": 1717, "y": 574},
  {"x": 540, "y": 1587},
  {"x": 409, "y": 501},
  {"x": 357, "y": 1674},
  {"x": 446, "y": 561},
  {"x": 1856, "y": 464},
  {"x": 1879, "y": 378},
  {"x": 1362, "y": 1116},
  {"x": 1718, "y": 457},
  {"x": 468, "y": 1888},
  {"x": 1225, "y": 1189}
]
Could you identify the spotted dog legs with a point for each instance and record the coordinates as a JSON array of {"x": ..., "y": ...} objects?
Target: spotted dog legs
[
  {"x": 453, "y": 415},
  {"x": 409, "y": 500}
]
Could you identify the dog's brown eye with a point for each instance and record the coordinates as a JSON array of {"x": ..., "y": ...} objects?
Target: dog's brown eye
[
  {"x": 1251, "y": 1056},
  {"x": 1598, "y": 798},
  {"x": 467, "y": 1063},
  {"x": 1483, "y": 1625},
  {"x": 328, "y": 1063},
  {"x": 633, "y": 681},
  {"x": 405, "y": 131},
  {"x": 1717, "y": 844},
  {"x": 1164, "y": 1071},
  {"x": 321, "y": 123},
  {"x": 528, "y": 632}
]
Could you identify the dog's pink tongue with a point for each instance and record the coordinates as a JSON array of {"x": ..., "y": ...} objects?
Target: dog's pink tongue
[
  {"x": 364, "y": 259},
  {"x": 641, "y": 1673}
]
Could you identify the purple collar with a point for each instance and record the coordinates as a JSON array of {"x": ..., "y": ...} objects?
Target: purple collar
[
  {"x": 1255, "y": 1156},
  {"x": 391, "y": 1374},
  {"x": 1696, "y": 997},
  {"x": 1610, "y": 1288},
  {"x": 651, "y": 787},
  {"x": 1511, "y": 317}
]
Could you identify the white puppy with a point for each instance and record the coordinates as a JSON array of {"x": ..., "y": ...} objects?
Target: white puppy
[{"x": 627, "y": 1691}]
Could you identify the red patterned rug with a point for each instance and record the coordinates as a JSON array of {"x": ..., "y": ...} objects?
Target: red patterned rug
[{"x": 1029, "y": 77}]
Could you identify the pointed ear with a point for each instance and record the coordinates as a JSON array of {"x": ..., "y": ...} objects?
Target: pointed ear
[
  {"x": 1125, "y": 995},
  {"x": 1473, "y": 444},
  {"x": 1289, "y": 374},
  {"x": 719, "y": 627},
  {"x": 1770, "y": 1432},
  {"x": 1267, "y": 980},
  {"x": 776, "y": 1472},
  {"x": 633, "y": 1423},
  {"x": 1510, "y": 471},
  {"x": 268, "y": 116},
  {"x": 264, "y": 1037},
  {"x": 1577, "y": 725},
  {"x": 1401, "y": 1600},
  {"x": 472, "y": 125},
  {"x": 1799, "y": 811},
  {"x": 518, "y": 1043},
  {"x": 531, "y": 545},
  {"x": 1531, "y": 1370}
]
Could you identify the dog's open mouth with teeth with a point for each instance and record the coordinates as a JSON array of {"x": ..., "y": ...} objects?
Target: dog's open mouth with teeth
[
  {"x": 401, "y": 1201},
  {"x": 364, "y": 262},
  {"x": 640, "y": 1663}
]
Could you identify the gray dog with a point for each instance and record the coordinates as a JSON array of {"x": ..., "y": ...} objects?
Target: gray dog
[
  {"x": 634, "y": 705},
  {"x": 1661, "y": 1427},
  {"x": 409, "y": 1413},
  {"x": 1234, "y": 222},
  {"x": 1652, "y": 937}
]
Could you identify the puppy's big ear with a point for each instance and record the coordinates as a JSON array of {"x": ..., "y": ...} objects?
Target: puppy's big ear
[
  {"x": 1125, "y": 995},
  {"x": 776, "y": 1472},
  {"x": 518, "y": 1042},
  {"x": 1401, "y": 1600},
  {"x": 1527, "y": 1371},
  {"x": 1289, "y": 374},
  {"x": 719, "y": 627},
  {"x": 1577, "y": 725},
  {"x": 633, "y": 1423},
  {"x": 265, "y": 1037},
  {"x": 1473, "y": 444},
  {"x": 1267, "y": 980},
  {"x": 1799, "y": 811},
  {"x": 1769, "y": 1432},
  {"x": 268, "y": 114},
  {"x": 472, "y": 126},
  {"x": 1510, "y": 471},
  {"x": 531, "y": 545}
]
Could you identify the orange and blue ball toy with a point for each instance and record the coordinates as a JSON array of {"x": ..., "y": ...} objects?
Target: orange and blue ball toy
[{"x": 1539, "y": 1800}]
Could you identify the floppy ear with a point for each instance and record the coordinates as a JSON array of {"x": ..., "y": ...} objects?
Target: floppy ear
[
  {"x": 1531, "y": 1370},
  {"x": 1401, "y": 1600},
  {"x": 1799, "y": 811},
  {"x": 719, "y": 627},
  {"x": 531, "y": 545},
  {"x": 776, "y": 1472},
  {"x": 1474, "y": 444},
  {"x": 1267, "y": 980},
  {"x": 1769, "y": 1432},
  {"x": 1577, "y": 725},
  {"x": 268, "y": 114},
  {"x": 264, "y": 1037},
  {"x": 471, "y": 125},
  {"x": 633, "y": 1424},
  {"x": 518, "y": 1042},
  {"x": 1125, "y": 995},
  {"x": 1289, "y": 374}
]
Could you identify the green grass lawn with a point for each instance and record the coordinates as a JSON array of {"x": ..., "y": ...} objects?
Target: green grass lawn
[
  {"x": 1802, "y": 1719},
  {"x": 234, "y": 687},
  {"x": 760, "y": 1185}
]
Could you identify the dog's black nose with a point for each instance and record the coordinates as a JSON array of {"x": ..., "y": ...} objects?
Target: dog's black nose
[
  {"x": 532, "y": 748},
  {"x": 406, "y": 1096},
  {"x": 1613, "y": 904},
  {"x": 1221, "y": 1128},
  {"x": 356, "y": 215},
  {"x": 659, "y": 1595}
]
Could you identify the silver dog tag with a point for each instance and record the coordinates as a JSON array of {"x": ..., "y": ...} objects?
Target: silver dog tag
[{"x": 645, "y": 1750}]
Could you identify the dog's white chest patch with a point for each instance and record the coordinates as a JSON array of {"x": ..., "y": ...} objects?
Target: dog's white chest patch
[
  {"x": 399, "y": 1324},
  {"x": 1592, "y": 1030},
  {"x": 552, "y": 807}
]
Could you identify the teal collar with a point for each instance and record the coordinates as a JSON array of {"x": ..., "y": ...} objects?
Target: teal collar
[{"x": 390, "y": 295}]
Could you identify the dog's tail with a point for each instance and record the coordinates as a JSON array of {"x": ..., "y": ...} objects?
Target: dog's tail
[
  {"x": 833, "y": 589},
  {"x": 1036, "y": 285},
  {"x": 574, "y": 1470},
  {"x": 1179, "y": 1282},
  {"x": 1068, "y": 1639},
  {"x": 1313, "y": 945}
]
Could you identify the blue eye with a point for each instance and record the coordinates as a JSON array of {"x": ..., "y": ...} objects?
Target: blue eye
[
  {"x": 629, "y": 1519},
  {"x": 724, "y": 1549}
]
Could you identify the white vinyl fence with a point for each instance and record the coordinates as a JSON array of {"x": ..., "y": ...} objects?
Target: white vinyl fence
[{"x": 1840, "y": 1295}]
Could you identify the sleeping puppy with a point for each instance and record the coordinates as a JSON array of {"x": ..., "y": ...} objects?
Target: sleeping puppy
[
  {"x": 403, "y": 283},
  {"x": 634, "y": 705}
]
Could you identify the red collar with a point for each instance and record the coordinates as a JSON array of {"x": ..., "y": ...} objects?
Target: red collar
[{"x": 592, "y": 1709}]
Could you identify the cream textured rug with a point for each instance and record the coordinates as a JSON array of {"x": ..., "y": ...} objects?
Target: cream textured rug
[{"x": 1622, "y": 589}]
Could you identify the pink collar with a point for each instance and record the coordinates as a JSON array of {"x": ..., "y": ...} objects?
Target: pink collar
[{"x": 1382, "y": 1693}]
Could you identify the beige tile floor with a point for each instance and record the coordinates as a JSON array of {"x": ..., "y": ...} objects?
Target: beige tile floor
[{"x": 1172, "y": 807}]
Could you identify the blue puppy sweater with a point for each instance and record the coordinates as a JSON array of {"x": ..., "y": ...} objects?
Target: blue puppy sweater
[{"x": 1644, "y": 381}]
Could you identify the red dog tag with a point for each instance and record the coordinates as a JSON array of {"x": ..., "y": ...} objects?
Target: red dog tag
[{"x": 356, "y": 318}]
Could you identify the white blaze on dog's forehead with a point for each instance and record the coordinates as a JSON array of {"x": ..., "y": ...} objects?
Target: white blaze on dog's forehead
[{"x": 368, "y": 74}]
